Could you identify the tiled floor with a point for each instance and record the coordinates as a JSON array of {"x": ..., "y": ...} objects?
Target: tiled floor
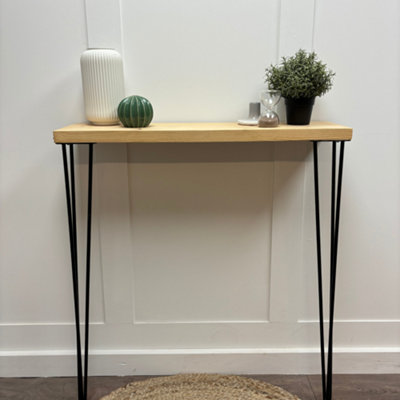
[{"x": 306, "y": 387}]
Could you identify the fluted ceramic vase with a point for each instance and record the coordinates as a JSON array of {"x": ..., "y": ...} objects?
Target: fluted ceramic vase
[{"x": 103, "y": 85}]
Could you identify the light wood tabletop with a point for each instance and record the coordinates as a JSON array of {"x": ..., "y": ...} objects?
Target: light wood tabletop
[{"x": 201, "y": 132}]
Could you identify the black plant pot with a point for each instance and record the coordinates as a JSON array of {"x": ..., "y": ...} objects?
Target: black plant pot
[{"x": 298, "y": 111}]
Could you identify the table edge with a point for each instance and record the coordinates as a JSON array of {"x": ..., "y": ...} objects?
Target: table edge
[{"x": 211, "y": 132}]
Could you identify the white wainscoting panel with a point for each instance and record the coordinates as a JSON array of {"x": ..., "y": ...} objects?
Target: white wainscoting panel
[
  {"x": 201, "y": 232},
  {"x": 199, "y": 60}
]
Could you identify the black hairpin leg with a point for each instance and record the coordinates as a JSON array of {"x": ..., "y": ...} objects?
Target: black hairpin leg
[
  {"x": 336, "y": 192},
  {"x": 69, "y": 176}
]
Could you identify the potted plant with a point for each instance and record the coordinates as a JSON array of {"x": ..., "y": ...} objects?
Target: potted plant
[{"x": 300, "y": 79}]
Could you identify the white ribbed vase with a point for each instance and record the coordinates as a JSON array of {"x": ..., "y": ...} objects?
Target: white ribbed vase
[{"x": 103, "y": 85}]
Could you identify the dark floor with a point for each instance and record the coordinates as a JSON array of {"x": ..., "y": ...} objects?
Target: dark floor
[{"x": 307, "y": 387}]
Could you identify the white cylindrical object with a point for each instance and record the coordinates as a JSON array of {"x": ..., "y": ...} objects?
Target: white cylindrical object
[{"x": 103, "y": 85}]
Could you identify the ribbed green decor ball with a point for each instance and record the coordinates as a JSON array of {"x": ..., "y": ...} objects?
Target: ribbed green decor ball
[{"x": 135, "y": 112}]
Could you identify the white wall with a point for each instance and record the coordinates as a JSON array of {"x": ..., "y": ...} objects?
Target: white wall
[{"x": 203, "y": 255}]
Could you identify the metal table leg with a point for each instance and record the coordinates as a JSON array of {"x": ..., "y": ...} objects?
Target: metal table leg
[
  {"x": 336, "y": 191},
  {"x": 69, "y": 176}
]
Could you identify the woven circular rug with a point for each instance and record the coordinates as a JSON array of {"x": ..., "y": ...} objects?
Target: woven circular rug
[{"x": 200, "y": 387}]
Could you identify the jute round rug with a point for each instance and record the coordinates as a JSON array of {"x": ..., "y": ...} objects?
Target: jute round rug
[{"x": 200, "y": 387}]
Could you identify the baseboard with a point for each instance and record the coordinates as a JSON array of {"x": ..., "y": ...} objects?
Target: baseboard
[{"x": 226, "y": 361}]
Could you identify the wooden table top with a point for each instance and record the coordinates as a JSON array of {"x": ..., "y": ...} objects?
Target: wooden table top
[{"x": 201, "y": 132}]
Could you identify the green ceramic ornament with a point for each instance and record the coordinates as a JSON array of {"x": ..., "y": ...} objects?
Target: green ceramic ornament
[{"x": 135, "y": 112}]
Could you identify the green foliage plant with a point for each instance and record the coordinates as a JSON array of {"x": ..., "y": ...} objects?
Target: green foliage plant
[{"x": 300, "y": 76}]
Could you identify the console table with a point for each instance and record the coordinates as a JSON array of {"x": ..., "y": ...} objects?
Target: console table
[{"x": 89, "y": 135}]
